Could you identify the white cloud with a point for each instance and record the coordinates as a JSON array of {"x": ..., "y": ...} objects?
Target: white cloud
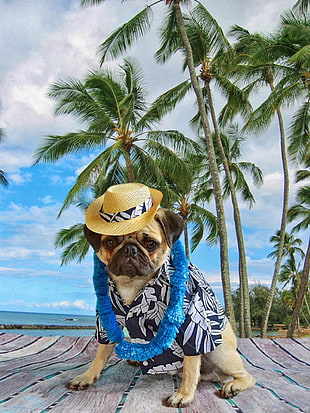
[
  {"x": 67, "y": 305},
  {"x": 20, "y": 179},
  {"x": 25, "y": 253},
  {"x": 262, "y": 16},
  {"x": 48, "y": 199}
]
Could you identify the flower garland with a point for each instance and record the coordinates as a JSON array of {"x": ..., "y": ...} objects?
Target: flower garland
[{"x": 170, "y": 323}]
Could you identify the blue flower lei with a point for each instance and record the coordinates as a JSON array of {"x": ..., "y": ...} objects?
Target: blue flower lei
[{"x": 170, "y": 323}]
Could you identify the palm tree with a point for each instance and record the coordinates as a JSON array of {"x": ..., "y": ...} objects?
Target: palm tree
[
  {"x": 197, "y": 219},
  {"x": 258, "y": 65},
  {"x": 211, "y": 51},
  {"x": 232, "y": 183},
  {"x": 291, "y": 275},
  {"x": 114, "y": 108},
  {"x": 290, "y": 248},
  {"x": 116, "y": 44},
  {"x": 301, "y": 211},
  {"x": 293, "y": 44},
  {"x": 3, "y": 178},
  {"x": 231, "y": 140}
]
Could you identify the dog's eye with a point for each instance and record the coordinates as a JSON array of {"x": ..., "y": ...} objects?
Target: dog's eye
[
  {"x": 150, "y": 245},
  {"x": 109, "y": 243}
]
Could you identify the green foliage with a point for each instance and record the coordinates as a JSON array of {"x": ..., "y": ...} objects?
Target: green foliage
[{"x": 258, "y": 297}]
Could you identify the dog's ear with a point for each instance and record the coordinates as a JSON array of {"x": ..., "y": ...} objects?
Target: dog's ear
[
  {"x": 93, "y": 238},
  {"x": 171, "y": 224}
]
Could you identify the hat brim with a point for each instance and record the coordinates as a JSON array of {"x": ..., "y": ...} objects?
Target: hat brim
[{"x": 96, "y": 224}]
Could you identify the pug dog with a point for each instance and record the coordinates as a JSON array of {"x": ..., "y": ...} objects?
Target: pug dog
[{"x": 132, "y": 261}]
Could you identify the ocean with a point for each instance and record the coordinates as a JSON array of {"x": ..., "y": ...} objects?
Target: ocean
[{"x": 45, "y": 319}]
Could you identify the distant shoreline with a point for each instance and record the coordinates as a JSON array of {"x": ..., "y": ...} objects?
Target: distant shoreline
[{"x": 43, "y": 327}]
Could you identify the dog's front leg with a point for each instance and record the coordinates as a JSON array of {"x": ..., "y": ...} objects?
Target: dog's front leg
[
  {"x": 186, "y": 392},
  {"x": 84, "y": 380}
]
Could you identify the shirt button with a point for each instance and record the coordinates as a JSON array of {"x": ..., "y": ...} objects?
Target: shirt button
[{"x": 145, "y": 363}]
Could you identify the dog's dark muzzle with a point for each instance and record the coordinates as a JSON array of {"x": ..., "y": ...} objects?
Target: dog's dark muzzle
[{"x": 132, "y": 261}]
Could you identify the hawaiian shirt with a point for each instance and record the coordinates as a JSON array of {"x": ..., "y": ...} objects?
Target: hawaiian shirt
[{"x": 200, "y": 333}]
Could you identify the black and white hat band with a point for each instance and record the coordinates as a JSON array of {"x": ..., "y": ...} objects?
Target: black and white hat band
[{"x": 129, "y": 213}]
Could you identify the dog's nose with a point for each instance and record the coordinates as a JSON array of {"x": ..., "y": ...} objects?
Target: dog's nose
[{"x": 131, "y": 250}]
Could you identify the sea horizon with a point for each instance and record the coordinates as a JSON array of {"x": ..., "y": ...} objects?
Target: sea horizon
[{"x": 74, "y": 322}]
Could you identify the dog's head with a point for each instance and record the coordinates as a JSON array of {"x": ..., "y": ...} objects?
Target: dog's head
[{"x": 139, "y": 253}]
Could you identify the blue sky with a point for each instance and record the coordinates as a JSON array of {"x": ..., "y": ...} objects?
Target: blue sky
[{"x": 48, "y": 40}]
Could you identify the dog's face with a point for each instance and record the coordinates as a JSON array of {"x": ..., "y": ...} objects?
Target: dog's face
[{"x": 140, "y": 253}]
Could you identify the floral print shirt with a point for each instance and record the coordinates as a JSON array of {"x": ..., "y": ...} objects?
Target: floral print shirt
[{"x": 200, "y": 333}]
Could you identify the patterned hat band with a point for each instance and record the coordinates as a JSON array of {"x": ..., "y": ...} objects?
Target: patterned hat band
[{"x": 128, "y": 214}]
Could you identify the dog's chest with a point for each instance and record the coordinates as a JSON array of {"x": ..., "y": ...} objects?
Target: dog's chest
[{"x": 129, "y": 289}]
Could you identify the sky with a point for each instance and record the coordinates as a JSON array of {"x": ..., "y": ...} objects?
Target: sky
[{"x": 44, "y": 41}]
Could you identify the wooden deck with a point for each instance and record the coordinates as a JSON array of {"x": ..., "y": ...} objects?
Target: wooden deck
[{"x": 34, "y": 370}]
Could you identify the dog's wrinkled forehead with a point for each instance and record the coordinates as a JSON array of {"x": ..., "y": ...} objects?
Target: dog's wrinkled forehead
[{"x": 165, "y": 224}]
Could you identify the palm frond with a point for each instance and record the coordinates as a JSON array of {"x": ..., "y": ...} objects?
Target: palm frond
[
  {"x": 78, "y": 245},
  {"x": 55, "y": 147},
  {"x": 93, "y": 172},
  {"x": 210, "y": 26},
  {"x": 85, "y": 3},
  {"x": 299, "y": 212},
  {"x": 67, "y": 235},
  {"x": 164, "y": 104},
  {"x": 203, "y": 221},
  {"x": 76, "y": 251},
  {"x": 301, "y": 6},
  {"x": 123, "y": 37},
  {"x": 237, "y": 100},
  {"x": 3, "y": 179},
  {"x": 175, "y": 141},
  {"x": 169, "y": 35},
  {"x": 81, "y": 99},
  {"x": 299, "y": 139},
  {"x": 301, "y": 57},
  {"x": 255, "y": 171}
]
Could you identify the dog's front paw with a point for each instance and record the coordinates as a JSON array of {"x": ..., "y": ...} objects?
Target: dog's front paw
[
  {"x": 230, "y": 389},
  {"x": 81, "y": 382},
  {"x": 178, "y": 399}
]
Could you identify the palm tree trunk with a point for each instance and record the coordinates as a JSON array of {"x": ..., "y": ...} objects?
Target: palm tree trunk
[
  {"x": 186, "y": 242},
  {"x": 307, "y": 306},
  {"x": 130, "y": 174},
  {"x": 301, "y": 294},
  {"x": 245, "y": 311},
  {"x": 213, "y": 168},
  {"x": 286, "y": 184}
]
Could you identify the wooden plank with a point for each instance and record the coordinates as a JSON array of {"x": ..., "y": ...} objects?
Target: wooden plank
[
  {"x": 38, "y": 345},
  {"x": 7, "y": 337},
  {"x": 254, "y": 354},
  {"x": 294, "y": 350},
  {"x": 278, "y": 355},
  {"x": 304, "y": 341},
  {"x": 207, "y": 399},
  {"x": 17, "y": 377},
  {"x": 36, "y": 393},
  {"x": 104, "y": 396},
  {"x": 63, "y": 345},
  {"x": 148, "y": 394},
  {"x": 261, "y": 400},
  {"x": 35, "y": 381},
  {"x": 67, "y": 350},
  {"x": 17, "y": 343},
  {"x": 282, "y": 388}
]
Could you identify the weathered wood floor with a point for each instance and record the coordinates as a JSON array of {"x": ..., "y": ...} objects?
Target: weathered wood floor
[{"x": 34, "y": 370}]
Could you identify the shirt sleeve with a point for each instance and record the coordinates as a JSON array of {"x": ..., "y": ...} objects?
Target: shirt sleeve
[
  {"x": 205, "y": 320},
  {"x": 101, "y": 335}
]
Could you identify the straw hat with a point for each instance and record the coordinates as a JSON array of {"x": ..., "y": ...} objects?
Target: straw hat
[{"x": 123, "y": 209}]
